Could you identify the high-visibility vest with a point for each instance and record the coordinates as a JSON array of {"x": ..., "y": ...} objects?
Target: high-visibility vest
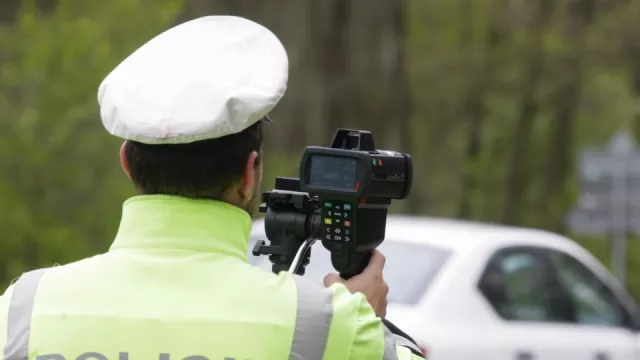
[{"x": 176, "y": 285}]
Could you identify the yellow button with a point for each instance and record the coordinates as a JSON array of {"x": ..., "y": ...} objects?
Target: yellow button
[{"x": 327, "y": 221}]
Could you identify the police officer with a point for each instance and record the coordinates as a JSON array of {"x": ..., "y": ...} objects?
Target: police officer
[{"x": 176, "y": 284}]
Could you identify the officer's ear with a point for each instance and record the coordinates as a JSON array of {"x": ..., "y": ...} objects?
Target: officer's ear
[
  {"x": 123, "y": 160},
  {"x": 249, "y": 178}
]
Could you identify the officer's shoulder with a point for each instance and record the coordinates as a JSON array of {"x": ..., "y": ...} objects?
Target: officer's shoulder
[
  {"x": 4, "y": 298},
  {"x": 34, "y": 274},
  {"x": 256, "y": 274},
  {"x": 337, "y": 294},
  {"x": 78, "y": 266},
  {"x": 303, "y": 284}
]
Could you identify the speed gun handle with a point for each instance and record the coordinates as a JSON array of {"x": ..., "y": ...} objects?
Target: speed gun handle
[{"x": 357, "y": 263}]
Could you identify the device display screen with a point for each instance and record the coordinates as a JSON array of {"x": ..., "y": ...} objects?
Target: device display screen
[{"x": 333, "y": 172}]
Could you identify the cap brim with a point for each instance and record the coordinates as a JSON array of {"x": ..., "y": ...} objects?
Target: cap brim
[{"x": 267, "y": 119}]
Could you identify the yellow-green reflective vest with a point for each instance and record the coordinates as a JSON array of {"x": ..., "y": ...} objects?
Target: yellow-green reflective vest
[{"x": 176, "y": 285}]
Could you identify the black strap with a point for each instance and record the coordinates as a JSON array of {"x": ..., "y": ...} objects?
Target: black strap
[{"x": 394, "y": 330}]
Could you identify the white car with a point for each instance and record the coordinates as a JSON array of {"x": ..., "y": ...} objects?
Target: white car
[{"x": 473, "y": 291}]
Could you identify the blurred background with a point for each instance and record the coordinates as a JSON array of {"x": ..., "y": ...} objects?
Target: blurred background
[{"x": 493, "y": 98}]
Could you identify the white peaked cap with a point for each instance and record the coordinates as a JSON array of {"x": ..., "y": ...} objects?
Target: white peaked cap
[{"x": 203, "y": 79}]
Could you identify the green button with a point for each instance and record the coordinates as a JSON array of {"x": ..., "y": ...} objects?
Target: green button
[
  {"x": 373, "y": 162},
  {"x": 327, "y": 204}
]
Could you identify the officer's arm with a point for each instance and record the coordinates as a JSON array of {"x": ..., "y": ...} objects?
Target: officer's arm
[
  {"x": 355, "y": 321},
  {"x": 4, "y": 314}
]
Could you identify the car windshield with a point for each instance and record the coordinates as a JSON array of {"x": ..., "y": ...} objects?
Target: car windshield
[{"x": 409, "y": 269}]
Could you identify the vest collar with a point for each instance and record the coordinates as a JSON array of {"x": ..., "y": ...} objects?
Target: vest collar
[{"x": 172, "y": 222}]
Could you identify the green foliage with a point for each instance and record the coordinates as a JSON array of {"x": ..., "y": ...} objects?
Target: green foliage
[
  {"x": 443, "y": 64},
  {"x": 61, "y": 187}
]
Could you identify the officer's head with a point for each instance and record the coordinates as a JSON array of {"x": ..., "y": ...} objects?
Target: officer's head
[
  {"x": 190, "y": 105},
  {"x": 227, "y": 168}
]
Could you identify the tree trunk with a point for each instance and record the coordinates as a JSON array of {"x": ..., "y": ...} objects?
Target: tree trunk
[
  {"x": 474, "y": 107},
  {"x": 401, "y": 101},
  {"x": 631, "y": 50},
  {"x": 565, "y": 102},
  {"x": 329, "y": 28},
  {"x": 517, "y": 175}
]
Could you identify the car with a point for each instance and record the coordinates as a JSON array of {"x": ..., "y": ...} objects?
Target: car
[{"x": 466, "y": 290}]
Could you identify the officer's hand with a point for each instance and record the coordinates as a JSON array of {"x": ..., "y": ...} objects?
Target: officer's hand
[{"x": 370, "y": 283}]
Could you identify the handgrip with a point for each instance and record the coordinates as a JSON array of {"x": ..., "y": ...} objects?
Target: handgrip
[{"x": 356, "y": 265}]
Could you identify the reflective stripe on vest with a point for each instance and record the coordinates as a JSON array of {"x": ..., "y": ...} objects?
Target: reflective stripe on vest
[
  {"x": 389, "y": 345},
  {"x": 313, "y": 323},
  {"x": 313, "y": 320},
  {"x": 393, "y": 340},
  {"x": 19, "y": 319}
]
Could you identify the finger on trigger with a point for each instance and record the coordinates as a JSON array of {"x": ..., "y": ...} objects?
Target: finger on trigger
[
  {"x": 377, "y": 260},
  {"x": 383, "y": 259},
  {"x": 331, "y": 279}
]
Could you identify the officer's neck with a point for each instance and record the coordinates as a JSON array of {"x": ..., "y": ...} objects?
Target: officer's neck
[{"x": 163, "y": 221}]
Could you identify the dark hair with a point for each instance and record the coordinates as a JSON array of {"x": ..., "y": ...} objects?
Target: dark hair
[{"x": 202, "y": 169}]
